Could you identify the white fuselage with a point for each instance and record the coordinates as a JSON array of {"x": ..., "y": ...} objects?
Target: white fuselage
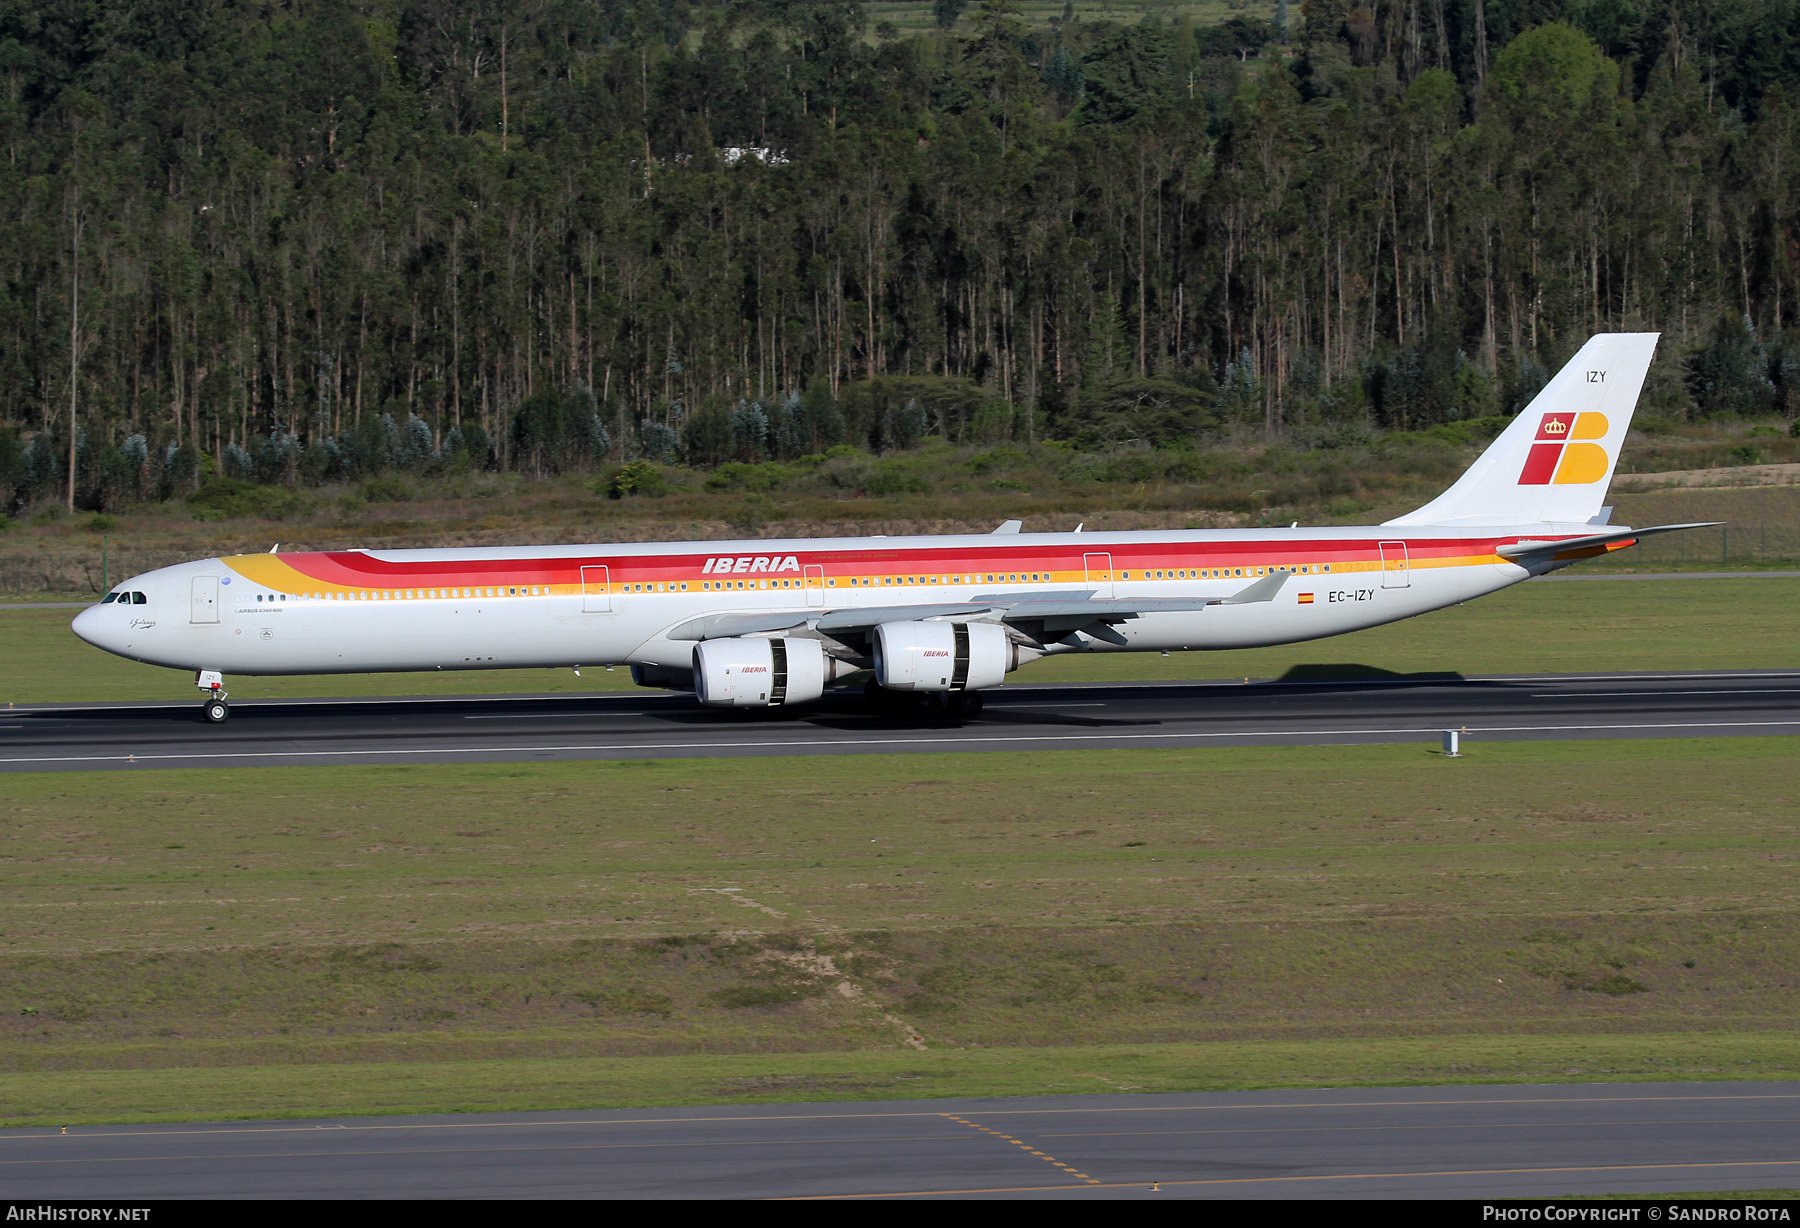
[{"x": 361, "y": 611}]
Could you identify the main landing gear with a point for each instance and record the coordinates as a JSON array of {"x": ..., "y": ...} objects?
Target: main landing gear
[
  {"x": 921, "y": 703},
  {"x": 214, "y": 710}
]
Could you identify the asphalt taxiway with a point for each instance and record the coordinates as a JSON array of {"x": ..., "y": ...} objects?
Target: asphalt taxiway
[
  {"x": 1388, "y": 1142},
  {"x": 1330, "y": 709}
]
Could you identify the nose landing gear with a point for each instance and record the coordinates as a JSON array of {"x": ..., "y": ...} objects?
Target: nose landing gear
[{"x": 215, "y": 709}]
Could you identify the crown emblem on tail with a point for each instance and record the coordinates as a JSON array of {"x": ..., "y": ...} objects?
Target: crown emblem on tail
[{"x": 1556, "y": 427}]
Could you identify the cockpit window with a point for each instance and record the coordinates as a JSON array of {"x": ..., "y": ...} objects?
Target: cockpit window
[
  {"x": 110, "y": 598},
  {"x": 139, "y": 599}
]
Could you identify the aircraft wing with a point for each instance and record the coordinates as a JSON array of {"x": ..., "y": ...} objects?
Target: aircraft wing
[
  {"x": 1572, "y": 548},
  {"x": 1037, "y": 614}
]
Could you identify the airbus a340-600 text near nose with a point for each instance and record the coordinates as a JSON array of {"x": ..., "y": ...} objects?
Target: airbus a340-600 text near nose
[{"x": 936, "y": 620}]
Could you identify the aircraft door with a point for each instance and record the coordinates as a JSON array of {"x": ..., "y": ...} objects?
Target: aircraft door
[
  {"x": 815, "y": 584},
  {"x": 1099, "y": 573},
  {"x": 205, "y": 607},
  {"x": 1394, "y": 570},
  {"x": 596, "y": 590}
]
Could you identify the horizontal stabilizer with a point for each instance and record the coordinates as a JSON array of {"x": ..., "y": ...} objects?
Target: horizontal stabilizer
[{"x": 1529, "y": 551}]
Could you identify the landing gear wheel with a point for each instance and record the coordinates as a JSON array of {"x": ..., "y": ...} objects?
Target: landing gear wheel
[
  {"x": 880, "y": 699},
  {"x": 966, "y": 703},
  {"x": 894, "y": 703},
  {"x": 215, "y": 711}
]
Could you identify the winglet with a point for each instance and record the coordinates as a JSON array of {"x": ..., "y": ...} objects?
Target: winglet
[
  {"x": 1263, "y": 590},
  {"x": 1010, "y": 526}
]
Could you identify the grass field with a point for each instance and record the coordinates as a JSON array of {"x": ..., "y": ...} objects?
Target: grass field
[
  {"x": 1535, "y": 627},
  {"x": 296, "y": 941}
]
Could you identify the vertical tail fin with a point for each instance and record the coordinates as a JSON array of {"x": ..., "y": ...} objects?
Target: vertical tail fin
[{"x": 1555, "y": 461}]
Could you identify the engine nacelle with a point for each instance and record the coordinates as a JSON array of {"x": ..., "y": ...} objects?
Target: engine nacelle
[
  {"x": 752, "y": 672},
  {"x": 921, "y": 656}
]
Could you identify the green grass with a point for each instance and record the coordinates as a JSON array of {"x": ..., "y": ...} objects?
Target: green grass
[
  {"x": 293, "y": 940},
  {"x": 1532, "y": 628},
  {"x": 285, "y": 1087}
]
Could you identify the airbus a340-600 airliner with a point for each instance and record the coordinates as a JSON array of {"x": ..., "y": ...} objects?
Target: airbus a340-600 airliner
[{"x": 933, "y": 620}]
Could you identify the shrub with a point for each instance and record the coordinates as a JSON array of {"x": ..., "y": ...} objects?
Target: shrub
[
  {"x": 227, "y": 498},
  {"x": 894, "y": 476},
  {"x": 387, "y": 490},
  {"x": 640, "y": 477},
  {"x": 735, "y": 475}
]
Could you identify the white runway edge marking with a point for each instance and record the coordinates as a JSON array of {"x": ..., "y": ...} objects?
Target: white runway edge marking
[{"x": 1433, "y": 731}]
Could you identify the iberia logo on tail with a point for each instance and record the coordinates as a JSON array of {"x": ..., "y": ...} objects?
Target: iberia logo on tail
[{"x": 1559, "y": 456}]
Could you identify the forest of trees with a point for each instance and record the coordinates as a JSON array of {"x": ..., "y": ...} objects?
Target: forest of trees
[{"x": 308, "y": 239}]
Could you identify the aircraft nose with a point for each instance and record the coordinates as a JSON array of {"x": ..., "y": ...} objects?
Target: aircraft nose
[{"x": 90, "y": 625}]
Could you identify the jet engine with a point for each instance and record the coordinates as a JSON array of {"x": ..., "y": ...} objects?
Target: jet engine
[
  {"x": 942, "y": 656},
  {"x": 752, "y": 672}
]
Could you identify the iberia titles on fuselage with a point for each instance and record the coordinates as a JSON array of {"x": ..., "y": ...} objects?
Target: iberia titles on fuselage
[{"x": 771, "y": 623}]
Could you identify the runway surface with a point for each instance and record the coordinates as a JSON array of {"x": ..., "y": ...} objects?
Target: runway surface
[
  {"x": 657, "y": 724},
  {"x": 1412, "y": 1142}
]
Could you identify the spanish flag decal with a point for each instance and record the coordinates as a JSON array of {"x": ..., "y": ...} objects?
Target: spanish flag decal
[{"x": 1306, "y": 599}]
